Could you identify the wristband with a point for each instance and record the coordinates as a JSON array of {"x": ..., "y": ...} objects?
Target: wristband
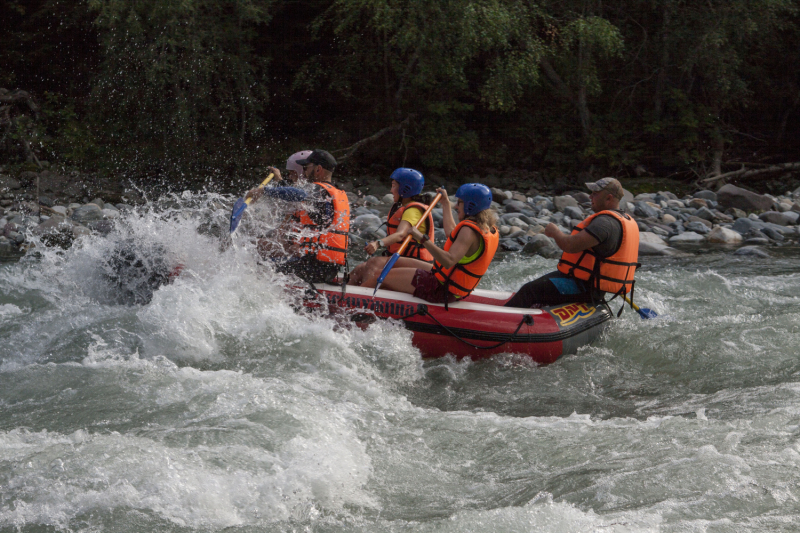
[{"x": 424, "y": 239}]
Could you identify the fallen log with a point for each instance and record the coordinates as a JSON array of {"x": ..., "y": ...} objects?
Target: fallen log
[
  {"x": 350, "y": 150},
  {"x": 745, "y": 173}
]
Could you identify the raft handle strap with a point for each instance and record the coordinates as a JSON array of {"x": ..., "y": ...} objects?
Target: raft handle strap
[{"x": 422, "y": 310}]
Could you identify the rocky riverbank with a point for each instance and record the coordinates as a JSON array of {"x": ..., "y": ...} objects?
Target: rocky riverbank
[{"x": 669, "y": 225}]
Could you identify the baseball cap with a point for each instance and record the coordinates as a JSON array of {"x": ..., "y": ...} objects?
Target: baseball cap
[
  {"x": 321, "y": 158},
  {"x": 607, "y": 184}
]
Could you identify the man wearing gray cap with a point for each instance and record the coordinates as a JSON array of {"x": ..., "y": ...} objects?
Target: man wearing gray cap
[{"x": 599, "y": 256}]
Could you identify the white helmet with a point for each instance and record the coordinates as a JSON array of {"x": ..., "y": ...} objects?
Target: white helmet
[{"x": 291, "y": 163}]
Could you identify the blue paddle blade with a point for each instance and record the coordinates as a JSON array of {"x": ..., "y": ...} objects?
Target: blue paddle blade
[
  {"x": 236, "y": 214},
  {"x": 646, "y": 313},
  {"x": 389, "y": 264}
]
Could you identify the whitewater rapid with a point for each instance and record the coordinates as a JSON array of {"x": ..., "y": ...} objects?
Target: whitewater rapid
[{"x": 215, "y": 406}]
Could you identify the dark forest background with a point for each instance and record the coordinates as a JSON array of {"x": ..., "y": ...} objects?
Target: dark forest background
[{"x": 685, "y": 89}]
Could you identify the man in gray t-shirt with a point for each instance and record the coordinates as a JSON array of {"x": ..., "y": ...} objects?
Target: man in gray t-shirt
[
  {"x": 603, "y": 235},
  {"x": 608, "y": 232}
]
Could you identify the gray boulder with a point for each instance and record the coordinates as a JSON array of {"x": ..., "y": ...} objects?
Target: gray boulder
[
  {"x": 642, "y": 209},
  {"x": 696, "y": 227},
  {"x": 722, "y": 235},
  {"x": 705, "y": 213},
  {"x": 753, "y": 251},
  {"x": 703, "y": 221},
  {"x": 675, "y": 204},
  {"x": 687, "y": 237},
  {"x": 648, "y": 248},
  {"x": 513, "y": 206},
  {"x": 562, "y": 202},
  {"x": 510, "y": 245},
  {"x": 7, "y": 183},
  {"x": 794, "y": 216},
  {"x": 733, "y": 196},
  {"x": 361, "y": 222},
  {"x": 87, "y": 213},
  {"x": 650, "y": 238},
  {"x": 667, "y": 195},
  {"x": 574, "y": 212},
  {"x": 781, "y": 219},
  {"x": 543, "y": 246},
  {"x": 582, "y": 197},
  {"x": 773, "y": 233},
  {"x": 371, "y": 200},
  {"x": 706, "y": 195}
]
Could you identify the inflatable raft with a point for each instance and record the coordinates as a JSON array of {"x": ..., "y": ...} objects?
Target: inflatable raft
[{"x": 477, "y": 326}]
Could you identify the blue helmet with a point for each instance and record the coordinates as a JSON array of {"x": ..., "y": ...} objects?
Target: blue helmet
[
  {"x": 410, "y": 180},
  {"x": 476, "y": 197}
]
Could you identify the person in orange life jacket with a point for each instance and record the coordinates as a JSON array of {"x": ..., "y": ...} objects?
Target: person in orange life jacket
[
  {"x": 319, "y": 235},
  {"x": 407, "y": 210},
  {"x": 274, "y": 243},
  {"x": 465, "y": 258},
  {"x": 599, "y": 257}
]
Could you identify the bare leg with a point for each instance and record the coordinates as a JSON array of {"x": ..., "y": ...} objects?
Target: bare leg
[
  {"x": 399, "y": 279},
  {"x": 365, "y": 270},
  {"x": 371, "y": 278}
]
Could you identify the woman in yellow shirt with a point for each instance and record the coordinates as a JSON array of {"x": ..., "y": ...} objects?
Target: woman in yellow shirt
[{"x": 408, "y": 209}]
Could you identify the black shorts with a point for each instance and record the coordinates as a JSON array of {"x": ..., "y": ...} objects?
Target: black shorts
[
  {"x": 554, "y": 288},
  {"x": 309, "y": 269}
]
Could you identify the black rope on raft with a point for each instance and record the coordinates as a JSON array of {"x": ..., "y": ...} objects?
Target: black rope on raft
[{"x": 422, "y": 310}]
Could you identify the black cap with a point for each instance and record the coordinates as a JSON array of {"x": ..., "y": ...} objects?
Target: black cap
[{"x": 321, "y": 158}]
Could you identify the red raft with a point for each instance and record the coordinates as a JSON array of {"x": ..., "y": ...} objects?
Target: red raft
[{"x": 477, "y": 326}]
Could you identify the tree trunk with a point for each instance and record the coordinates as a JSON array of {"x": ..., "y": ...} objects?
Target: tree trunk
[
  {"x": 583, "y": 111},
  {"x": 785, "y": 119},
  {"x": 661, "y": 81},
  {"x": 719, "y": 149}
]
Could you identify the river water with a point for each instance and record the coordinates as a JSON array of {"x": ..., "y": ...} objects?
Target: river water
[{"x": 214, "y": 406}]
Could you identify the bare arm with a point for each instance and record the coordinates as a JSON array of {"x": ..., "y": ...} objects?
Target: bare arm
[
  {"x": 466, "y": 241},
  {"x": 403, "y": 229},
  {"x": 577, "y": 242},
  {"x": 256, "y": 193},
  {"x": 447, "y": 213}
]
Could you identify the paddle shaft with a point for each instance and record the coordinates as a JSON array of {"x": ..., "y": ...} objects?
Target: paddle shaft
[
  {"x": 427, "y": 212},
  {"x": 644, "y": 313},
  {"x": 263, "y": 184},
  {"x": 636, "y": 307},
  {"x": 395, "y": 256},
  {"x": 241, "y": 205}
]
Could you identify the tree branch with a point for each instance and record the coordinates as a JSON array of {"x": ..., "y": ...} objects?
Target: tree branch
[
  {"x": 744, "y": 173},
  {"x": 350, "y": 150}
]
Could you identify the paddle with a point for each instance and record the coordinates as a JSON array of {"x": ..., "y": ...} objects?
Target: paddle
[
  {"x": 643, "y": 312},
  {"x": 395, "y": 256},
  {"x": 241, "y": 204}
]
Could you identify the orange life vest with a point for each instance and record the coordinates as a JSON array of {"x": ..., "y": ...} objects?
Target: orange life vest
[
  {"x": 612, "y": 274},
  {"x": 329, "y": 245},
  {"x": 414, "y": 249},
  {"x": 460, "y": 279}
]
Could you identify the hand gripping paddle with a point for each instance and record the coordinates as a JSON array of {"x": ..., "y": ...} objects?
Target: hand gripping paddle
[
  {"x": 241, "y": 204},
  {"x": 395, "y": 256}
]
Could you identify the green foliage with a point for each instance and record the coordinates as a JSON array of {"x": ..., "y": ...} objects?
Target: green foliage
[
  {"x": 557, "y": 86},
  {"x": 178, "y": 73},
  {"x": 442, "y": 139},
  {"x": 68, "y": 138}
]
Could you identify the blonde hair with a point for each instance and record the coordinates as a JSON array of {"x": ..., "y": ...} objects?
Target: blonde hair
[{"x": 486, "y": 219}]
